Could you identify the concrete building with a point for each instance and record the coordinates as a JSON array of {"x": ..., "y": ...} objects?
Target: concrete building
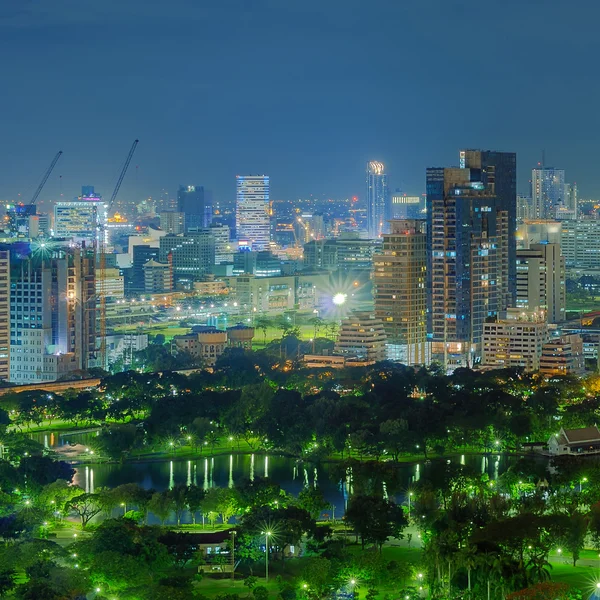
[
  {"x": 81, "y": 220},
  {"x": 142, "y": 253},
  {"x": 580, "y": 243},
  {"x": 362, "y": 337},
  {"x": 563, "y": 356},
  {"x": 112, "y": 285},
  {"x": 252, "y": 220},
  {"x": 406, "y": 207},
  {"x": 52, "y": 315},
  {"x": 321, "y": 254},
  {"x": 121, "y": 347},
  {"x": 193, "y": 254},
  {"x": 399, "y": 281},
  {"x": 531, "y": 281},
  {"x": 158, "y": 277},
  {"x": 172, "y": 221},
  {"x": 471, "y": 275},
  {"x": 240, "y": 336},
  {"x": 547, "y": 191},
  {"x": 556, "y": 295},
  {"x": 5, "y": 294},
  {"x": 515, "y": 340},
  {"x": 206, "y": 343}
]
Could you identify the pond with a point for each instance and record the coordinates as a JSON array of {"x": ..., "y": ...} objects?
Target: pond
[{"x": 228, "y": 470}]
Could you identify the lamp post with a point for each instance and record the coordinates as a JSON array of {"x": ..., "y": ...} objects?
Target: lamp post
[
  {"x": 267, "y": 535},
  {"x": 581, "y": 482},
  {"x": 233, "y": 555},
  {"x": 409, "y": 497}
]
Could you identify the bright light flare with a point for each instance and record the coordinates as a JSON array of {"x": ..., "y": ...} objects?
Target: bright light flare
[{"x": 340, "y": 299}]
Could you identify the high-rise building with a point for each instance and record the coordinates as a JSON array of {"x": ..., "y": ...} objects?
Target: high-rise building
[
  {"x": 223, "y": 247},
  {"x": 141, "y": 254},
  {"x": 399, "y": 291},
  {"x": 4, "y": 314},
  {"x": 531, "y": 281},
  {"x": 406, "y": 207},
  {"x": 471, "y": 225},
  {"x": 252, "y": 220},
  {"x": 157, "y": 277},
  {"x": 580, "y": 243},
  {"x": 547, "y": 191},
  {"x": 555, "y": 280},
  {"x": 52, "y": 314},
  {"x": 172, "y": 221},
  {"x": 81, "y": 220},
  {"x": 194, "y": 201},
  {"x": 377, "y": 199},
  {"x": 563, "y": 356},
  {"x": 193, "y": 254},
  {"x": 524, "y": 208}
]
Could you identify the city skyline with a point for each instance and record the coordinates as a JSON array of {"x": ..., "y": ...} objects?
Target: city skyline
[{"x": 180, "y": 94}]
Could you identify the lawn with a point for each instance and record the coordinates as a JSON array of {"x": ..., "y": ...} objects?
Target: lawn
[{"x": 581, "y": 578}]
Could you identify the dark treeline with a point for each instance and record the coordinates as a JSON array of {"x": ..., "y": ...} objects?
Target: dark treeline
[{"x": 386, "y": 410}]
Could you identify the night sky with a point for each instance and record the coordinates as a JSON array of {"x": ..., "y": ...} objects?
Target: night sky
[{"x": 305, "y": 91}]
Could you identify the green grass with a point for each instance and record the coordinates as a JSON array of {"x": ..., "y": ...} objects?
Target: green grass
[{"x": 581, "y": 578}]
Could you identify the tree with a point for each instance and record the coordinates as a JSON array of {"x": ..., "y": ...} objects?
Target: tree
[
  {"x": 375, "y": 519},
  {"x": 7, "y": 581},
  {"x": 317, "y": 575},
  {"x": 311, "y": 499},
  {"x": 39, "y": 471},
  {"x": 115, "y": 441},
  {"x": 194, "y": 499},
  {"x": 161, "y": 505},
  {"x": 575, "y": 535},
  {"x": 86, "y": 506},
  {"x": 179, "y": 502},
  {"x": 55, "y": 496}
]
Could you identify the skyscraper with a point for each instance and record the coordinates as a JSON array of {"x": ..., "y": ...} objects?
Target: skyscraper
[
  {"x": 547, "y": 191},
  {"x": 52, "y": 314},
  {"x": 194, "y": 201},
  {"x": 252, "y": 221},
  {"x": 377, "y": 198},
  {"x": 399, "y": 291},
  {"x": 471, "y": 225}
]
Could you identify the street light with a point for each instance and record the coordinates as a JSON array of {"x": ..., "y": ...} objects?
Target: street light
[
  {"x": 409, "y": 497},
  {"x": 581, "y": 482},
  {"x": 267, "y": 534},
  {"x": 233, "y": 533}
]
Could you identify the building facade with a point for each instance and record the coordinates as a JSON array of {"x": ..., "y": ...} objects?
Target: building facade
[
  {"x": 52, "y": 315},
  {"x": 556, "y": 295},
  {"x": 563, "y": 356},
  {"x": 547, "y": 191},
  {"x": 362, "y": 337},
  {"x": 252, "y": 220},
  {"x": 515, "y": 340},
  {"x": 377, "y": 199},
  {"x": 82, "y": 220},
  {"x": 471, "y": 275},
  {"x": 580, "y": 243},
  {"x": 192, "y": 254},
  {"x": 399, "y": 281},
  {"x": 5, "y": 294},
  {"x": 172, "y": 221},
  {"x": 194, "y": 202}
]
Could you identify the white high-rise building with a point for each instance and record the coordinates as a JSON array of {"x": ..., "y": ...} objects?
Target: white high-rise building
[
  {"x": 252, "y": 221},
  {"x": 377, "y": 199}
]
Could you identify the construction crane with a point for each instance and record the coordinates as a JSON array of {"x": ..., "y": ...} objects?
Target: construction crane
[
  {"x": 101, "y": 248},
  {"x": 45, "y": 178}
]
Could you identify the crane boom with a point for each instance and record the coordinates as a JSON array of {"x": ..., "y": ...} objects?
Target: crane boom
[
  {"x": 123, "y": 172},
  {"x": 45, "y": 178}
]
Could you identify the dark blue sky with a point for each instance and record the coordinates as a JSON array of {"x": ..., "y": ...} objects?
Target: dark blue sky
[{"x": 305, "y": 91}]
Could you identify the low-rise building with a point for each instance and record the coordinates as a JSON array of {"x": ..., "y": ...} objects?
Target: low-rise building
[
  {"x": 206, "y": 343},
  {"x": 515, "y": 340},
  {"x": 158, "y": 277},
  {"x": 585, "y": 440},
  {"x": 362, "y": 336},
  {"x": 563, "y": 356},
  {"x": 240, "y": 336}
]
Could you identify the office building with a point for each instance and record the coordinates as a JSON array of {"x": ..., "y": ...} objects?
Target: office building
[
  {"x": 192, "y": 254},
  {"x": 260, "y": 264},
  {"x": 223, "y": 247},
  {"x": 377, "y": 199},
  {"x": 4, "y": 314},
  {"x": 172, "y": 221},
  {"x": 141, "y": 254},
  {"x": 556, "y": 299},
  {"x": 524, "y": 208},
  {"x": 361, "y": 337},
  {"x": 112, "y": 285},
  {"x": 252, "y": 220},
  {"x": 563, "y": 356},
  {"x": 580, "y": 243},
  {"x": 515, "y": 340},
  {"x": 21, "y": 221},
  {"x": 52, "y": 315},
  {"x": 531, "y": 281},
  {"x": 320, "y": 254},
  {"x": 536, "y": 231},
  {"x": 547, "y": 191},
  {"x": 81, "y": 220},
  {"x": 195, "y": 203},
  {"x": 158, "y": 277},
  {"x": 471, "y": 226},
  {"x": 406, "y": 207},
  {"x": 399, "y": 281}
]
